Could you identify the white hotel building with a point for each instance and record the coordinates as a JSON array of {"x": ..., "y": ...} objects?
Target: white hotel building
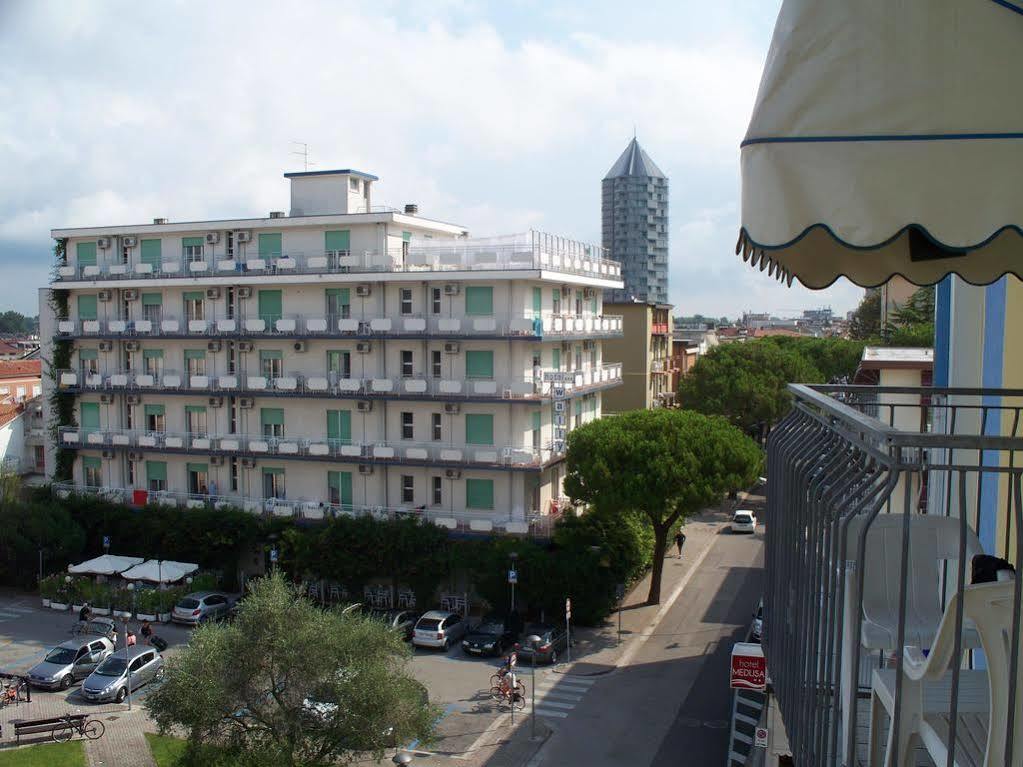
[{"x": 344, "y": 358}]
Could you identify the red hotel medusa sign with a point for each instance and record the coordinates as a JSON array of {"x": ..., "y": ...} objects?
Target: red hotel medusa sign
[{"x": 749, "y": 667}]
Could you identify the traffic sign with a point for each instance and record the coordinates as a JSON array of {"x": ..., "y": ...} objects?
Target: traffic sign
[
  {"x": 273, "y": 555},
  {"x": 620, "y": 592},
  {"x": 106, "y": 541},
  {"x": 513, "y": 576},
  {"x": 760, "y": 737}
]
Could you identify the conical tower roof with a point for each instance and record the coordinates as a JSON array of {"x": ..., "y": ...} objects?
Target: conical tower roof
[{"x": 634, "y": 162}]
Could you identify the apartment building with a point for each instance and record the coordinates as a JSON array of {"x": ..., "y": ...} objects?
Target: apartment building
[
  {"x": 644, "y": 351},
  {"x": 344, "y": 358}
]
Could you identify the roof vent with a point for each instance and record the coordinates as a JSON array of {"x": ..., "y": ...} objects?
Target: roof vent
[
  {"x": 160, "y": 220},
  {"x": 411, "y": 208},
  {"x": 276, "y": 214}
]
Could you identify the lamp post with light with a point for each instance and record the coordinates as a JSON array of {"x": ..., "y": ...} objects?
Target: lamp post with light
[
  {"x": 534, "y": 641},
  {"x": 127, "y": 655},
  {"x": 513, "y": 556}
]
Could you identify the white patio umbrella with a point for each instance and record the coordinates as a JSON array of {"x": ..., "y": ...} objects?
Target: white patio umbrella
[
  {"x": 160, "y": 571},
  {"x": 107, "y": 564},
  {"x": 887, "y": 138}
]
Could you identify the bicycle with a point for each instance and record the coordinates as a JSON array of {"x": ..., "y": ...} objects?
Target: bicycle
[
  {"x": 91, "y": 729},
  {"x": 503, "y": 693}
]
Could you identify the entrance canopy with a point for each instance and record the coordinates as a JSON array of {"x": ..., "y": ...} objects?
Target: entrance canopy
[
  {"x": 108, "y": 564},
  {"x": 156, "y": 571}
]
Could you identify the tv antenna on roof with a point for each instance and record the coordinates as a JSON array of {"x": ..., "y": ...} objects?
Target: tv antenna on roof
[{"x": 304, "y": 154}]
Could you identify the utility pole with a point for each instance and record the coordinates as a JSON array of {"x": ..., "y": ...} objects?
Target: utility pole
[{"x": 304, "y": 154}]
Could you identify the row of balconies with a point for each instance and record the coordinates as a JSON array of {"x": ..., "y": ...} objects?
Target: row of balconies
[
  {"x": 333, "y": 385},
  {"x": 322, "y": 449},
  {"x": 330, "y": 327},
  {"x": 462, "y": 521},
  {"x": 453, "y": 258}
]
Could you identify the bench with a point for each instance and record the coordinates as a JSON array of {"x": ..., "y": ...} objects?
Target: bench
[{"x": 34, "y": 726}]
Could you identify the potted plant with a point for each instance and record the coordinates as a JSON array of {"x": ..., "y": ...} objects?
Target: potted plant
[
  {"x": 100, "y": 600},
  {"x": 79, "y": 592},
  {"x": 49, "y": 589},
  {"x": 61, "y": 598},
  {"x": 121, "y": 603},
  {"x": 167, "y": 599},
  {"x": 147, "y": 605}
]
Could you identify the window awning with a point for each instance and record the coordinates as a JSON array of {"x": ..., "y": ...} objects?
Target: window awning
[{"x": 887, "y": 138}]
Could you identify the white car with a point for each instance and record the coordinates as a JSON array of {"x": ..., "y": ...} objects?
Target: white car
[{"x": 744, "y": 521}]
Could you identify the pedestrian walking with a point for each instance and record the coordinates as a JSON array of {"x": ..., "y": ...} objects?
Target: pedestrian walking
[
  {"x": 680, "y": 539},
  {"x": 146, "y": 631}
]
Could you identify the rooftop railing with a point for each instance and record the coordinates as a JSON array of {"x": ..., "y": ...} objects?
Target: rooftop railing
[{"x": 880, "y": 632}]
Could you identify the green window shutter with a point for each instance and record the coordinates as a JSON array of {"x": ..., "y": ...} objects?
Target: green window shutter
[
  {"x": 91, "y": 462},
  {"x": 342, "y": 294},
  {"x": 479, "y": 300},
  {"x": 88, "y": 354},
  {"x": 152, "y": 354},
  {"x": 269, "y": 245},
  {"x": 197, "y": 468},
  {"x": 90, "y": 415},
  {"x": 271, "y": 416},
  {"x": 339, "y": 240},
  {"x": 479, "y": 364},
  {"x": 273, "y": 470},
  {"x": 479, "y": 493},
  {"x": 341, "y": 481},
  {"x": 153, "y": 410},
  {"x": 536, "y": 421},
  {"x": 593, "y": 306},
  {"x": 87, "y": 308},
  {"x": 269, "y": 354},
  {"x": 152, "y": 299},
  {"x": 195, "y": 354},
  {"x": 406, "y": 236},
  {"x": 479, "y": 429},
  {"x": 156, "y": 470},
  {"x": 339, "y": 425},
  {"x": 578, "y": 407},
  {"x": 191, "y": 242},
  {"x": 195, "y": 408},
  {"x": 270, "y": 305},
  {"x": 150, "y": 254},
  {"x": 537, "y": 301},
  {"x": 86, "y": 254},
  {"x": 193, "y": 295},
  {"x": 556, "y": 359}
]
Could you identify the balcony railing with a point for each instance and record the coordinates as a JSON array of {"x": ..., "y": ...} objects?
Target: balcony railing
[
  {"x": 878, "y": 500},
  {"x": 300, "y": 326},
  {"x": 532, "y": 523},
  {"x": 325, "y": 384},
  {"x": 315, "y": 449}
]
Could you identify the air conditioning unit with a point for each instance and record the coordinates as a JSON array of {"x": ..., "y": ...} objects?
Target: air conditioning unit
[
  {"x": 363, "y": 290},
  {"x": 133, "y": 399},
  {"x": 565, "y": 290},
  {"x": 451, "y": 347},
  {"x": 213, "y": 293},
  {"x": 216, "y": 401},
  {"x": 364, "y": 347},
  {"x": 103, "y": 243},
  {"x": 246, "y": 403},
  {"x": 452, "y": 407},
  {"x": 452, "y": 289},
  {"x": 213, "y": 346},
  {"x": 106, "y": 399},
  {"x": 365, "y": 468},
  {"x": 364, "y": 405},
  {"x": 248, "y": 463},
  {"x": 129, "y": 242},
  {"x": 245, "y": 346},
  {"x": 135, "y": 456},
  {"x": 588, "y": 293},
  {"x": 245, "y": 292},
  {"x": 452, "y": 473},
  {"x": 216, "y": 460},
  {"x": 105, "y": 346},
  {"x": 104, "y": 295},
  {"x": 107, "y": 453},
  {"x": 130, "y": 295},
  {"x": 131, "y": 346},
  {"x": 300, "y": 346},
  {"x": 212, "y": 238},
  {"x": 243, "y": 236}
]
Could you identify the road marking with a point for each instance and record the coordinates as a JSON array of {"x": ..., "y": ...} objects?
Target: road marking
[
  {"x": 580, "y": 684},
  {"x": 6, "y": 615},
  {"x": 545, "y": 702},
  {"x": 550, "y": 712},
  {"x": 548, "y": 695},
  {"x": 494, "y": 725}
]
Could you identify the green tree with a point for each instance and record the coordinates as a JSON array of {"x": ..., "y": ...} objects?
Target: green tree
[
  {"x": 289, "y": 684},
  {"x": 834, "y": 358},
  {"x": 664, "y": 464},
  {"x": 746, "y": 383},
  {"x": 912, "y": 324}
]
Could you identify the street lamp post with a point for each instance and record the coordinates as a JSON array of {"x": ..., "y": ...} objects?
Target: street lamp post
[
  {"x": 127, "y": 655},
  {"x": 513, "y": 556},
  {"x": 534, "y": 642}
]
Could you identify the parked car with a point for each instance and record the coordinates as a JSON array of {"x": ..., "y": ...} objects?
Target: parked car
[
  {"x": 69, "y": 661},
  {"x": 200, "y": 607},
  {"x": 110, "y": 679},
  {"x": 553, "y": 640},
  {"x": 756, "y": 630},
  {"x": 402, "y": 621},
  {"x": 744, "y": 521},
  {"x": 491, "y": 636},
  {"x": 439, "y": 629}
]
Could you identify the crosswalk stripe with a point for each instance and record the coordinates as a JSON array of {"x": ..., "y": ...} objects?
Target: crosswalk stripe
[
  {"x": 548, "y": 712},
  {"x": 554, "y": 703},
  {"x": 8, "y": 616},
  {"x": 558, "y": 695},
  {"x": 573, "y": 680},
  {"x": 563, "y": 683}
]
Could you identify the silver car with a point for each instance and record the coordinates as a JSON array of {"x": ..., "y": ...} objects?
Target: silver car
[
  {"x": 109, "y": 682},
  {"x": 200, "y": 607},
  {"x": 69, "y": 661},
  {"x": 439, "y": 628}
]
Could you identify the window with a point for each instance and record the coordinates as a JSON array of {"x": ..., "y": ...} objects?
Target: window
[
  {"x": 269, "y": 246},
  {"x": 435, "y": 363},
  {"x": 129, "y": 417},
  {"x": 537, "y": 302},
  {"x": 152, "y": 307},
  {"x": 86, "y": 253},
  {"x": 578, "y": 419},
  {"x": 234, "y": 475},
  {"x": 479, "y": 429},
  {"x": 353, "y": 184},
  {"x": 150, "y": 253},
  {"x": 593, "y": 356},
  {"x": 156, "y": 476},
  {"x": 339, "y": 365},
  {"x": 89, "y": 359},
  {"x": 479, "y": 493},
  {"x": 152, "y": 360},
  {"x": 435, "y": 295},
  {"x": 556, "y": 305},
  {"x": 194, "y": 305},
  {"x": 229, "y": 244},
  {"x": 229, "y": 306},
  {"x": 406, "y": 364},
  {"x": 131, "y": 472},
  {"x": 271, "y": 420},
  {"x": 438, "y": 497},
  {"x": 339, "y": 488},
  {"x": 479, "y": 364},
  {"x": 195, "y": 362},
  {"x": 407, "y": 430},
  {"x": 89, "y": 416},
  {"x": 88, "y": 308},
  {"x": 536, "y": 430},
  {"x": 271, "y": 363},
  {"x": 338, "y": 305},
  {"x": 156, "y": 418},
  {"x": 578, "y": 358},
  {"x": 337, "y": 243},
  {"x": 125, "y": 252},
  {"x": 191, "y": 249},
  {"x": 273, "y": 483},
  {"x": 406, "y": 300},
  {"x": 195, "y": 419},
  {"x": 408, "y": 488},
  {"x": 578, "y": 303},
  {"x": 339, "y": 427},
  {"x": 479, "y": 300},
  {"x": 92, "y": 470},
  {"x": 436, "y": 427},
  {"x": 198, "y": 479},
  {"x": 270, "y": 303}
]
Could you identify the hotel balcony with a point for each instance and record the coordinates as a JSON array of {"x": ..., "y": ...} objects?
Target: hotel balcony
[
  {"x": 557, "y": 327},
  {"x": 332, "y": 385},
  {"x": 464, "y": 521},
  {"x": 882, "y": 644},
  {"x": 394, "y": 453}
]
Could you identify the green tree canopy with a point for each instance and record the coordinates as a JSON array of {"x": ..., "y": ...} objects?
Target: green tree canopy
[
  {"x": 289, "y": 684},
  {"x": 866, "y": 319},
  {"x": 834, "y": 358},
  {"x": 663, "y": 464}
]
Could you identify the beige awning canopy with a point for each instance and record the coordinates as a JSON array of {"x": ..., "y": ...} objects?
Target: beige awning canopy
[{"x": 887, "y": 138}]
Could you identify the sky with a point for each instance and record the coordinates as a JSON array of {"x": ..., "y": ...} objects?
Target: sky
[{"x": 498, "y": 116}]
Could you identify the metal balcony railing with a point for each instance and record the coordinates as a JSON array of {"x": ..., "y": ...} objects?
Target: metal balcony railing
[
  {"x": 498, "y": 521},
  {"x": 877, "y": 501}
]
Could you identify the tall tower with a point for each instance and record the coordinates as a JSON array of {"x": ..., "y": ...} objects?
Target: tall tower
[{"x": 634, "y": 206}]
